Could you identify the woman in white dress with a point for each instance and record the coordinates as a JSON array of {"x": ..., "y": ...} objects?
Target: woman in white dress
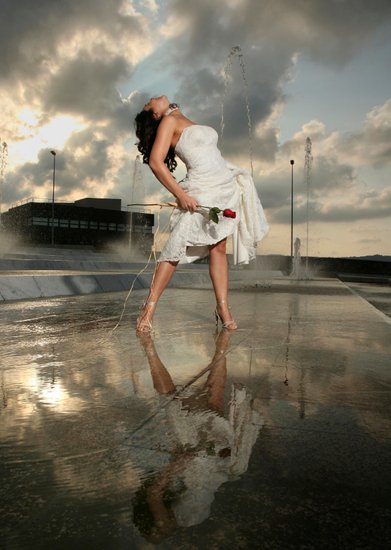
[{"x": 164, "y": 132}]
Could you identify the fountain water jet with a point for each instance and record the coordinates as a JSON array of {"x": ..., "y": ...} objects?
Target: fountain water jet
[
  {"x": 237, "y": 51},
  {"x": 298, "y": 273},
  {"x": 3, "y": 166},
  {"x": 307, "y": 176},
  {"x": 297, "y": 270}
]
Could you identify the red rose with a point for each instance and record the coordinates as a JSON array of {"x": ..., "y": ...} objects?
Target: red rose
[{"x": 227, "y": 213}]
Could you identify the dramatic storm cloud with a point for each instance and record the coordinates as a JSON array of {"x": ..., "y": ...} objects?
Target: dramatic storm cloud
[
  {"x": 74, "y": 74},
  {"x": 67, "y": 59}
]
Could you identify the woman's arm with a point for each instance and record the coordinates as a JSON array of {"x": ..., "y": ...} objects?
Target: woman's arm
[{"x": 159, "y": 151}]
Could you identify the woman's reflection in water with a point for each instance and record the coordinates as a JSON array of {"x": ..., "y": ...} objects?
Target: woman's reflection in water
[{"x": 207, "y": 449}]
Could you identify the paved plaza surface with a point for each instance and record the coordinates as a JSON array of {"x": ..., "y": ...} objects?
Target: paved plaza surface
[{"x": 275, "y": 436}]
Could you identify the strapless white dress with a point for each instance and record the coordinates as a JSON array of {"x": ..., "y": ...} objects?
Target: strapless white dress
[{"x": 213, "y": 182}]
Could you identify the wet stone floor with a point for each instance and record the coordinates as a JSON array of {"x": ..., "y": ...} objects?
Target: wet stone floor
[{"x": 276, "y": 436}]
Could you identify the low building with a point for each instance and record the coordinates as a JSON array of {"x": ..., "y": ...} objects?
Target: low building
[{"x": 89, "y": 221}]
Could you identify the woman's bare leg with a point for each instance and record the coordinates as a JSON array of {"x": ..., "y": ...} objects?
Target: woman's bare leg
[
  {"x": 217, "y": 377},
  {"x": 163, "y": 273},
  {"x": 162, "y": 381},
  {"x": 218, "y": 270}
]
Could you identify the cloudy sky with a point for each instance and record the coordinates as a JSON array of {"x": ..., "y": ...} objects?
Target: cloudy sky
[{"x": 75, "y": 72}]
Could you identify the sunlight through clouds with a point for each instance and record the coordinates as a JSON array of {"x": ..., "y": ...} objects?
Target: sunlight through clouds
[{"x": 53, "y": 135}]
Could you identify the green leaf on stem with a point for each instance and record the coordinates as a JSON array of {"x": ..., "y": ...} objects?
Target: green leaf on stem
[{"x": 213, "y": 214}]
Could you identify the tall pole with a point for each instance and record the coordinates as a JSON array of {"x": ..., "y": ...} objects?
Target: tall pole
[
  {"x": 292, "y": 163},
  {"x": 54, "y": 184}
]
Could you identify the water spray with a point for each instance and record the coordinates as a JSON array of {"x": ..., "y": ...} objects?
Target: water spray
[
  {"x": 137, "y": 182},
  {"x": 236, "y": 51},
  {"x": 307, "y": 176},
  {"x": 3, "y": 166}
]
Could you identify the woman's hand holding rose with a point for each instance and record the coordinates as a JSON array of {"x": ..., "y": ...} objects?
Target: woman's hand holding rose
[{"x": 187, "y": 203}]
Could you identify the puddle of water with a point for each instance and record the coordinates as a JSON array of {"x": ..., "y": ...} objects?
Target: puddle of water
[{"x": 112, "y": 437}]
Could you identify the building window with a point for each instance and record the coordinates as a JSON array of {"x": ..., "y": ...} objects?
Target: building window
[
  {"x": 103, "y": 226},
  {"x": 141, "y": 229},
  {"x": 40, "y": 221},
  {"x": 64, "y": 223},
  {"x": 83, "y": 224},
  {"x": 121, "y": 227},
  {"x": 112, "y": 227},
  {"x": 75, "y": 224},
  {"x": 93, "y": 225}
]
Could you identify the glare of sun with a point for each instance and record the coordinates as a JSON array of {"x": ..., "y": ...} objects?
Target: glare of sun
[
  {"x": 28, "y": 119},
  {"x": 58, "y": 130},
  {"x": 53, "y": 394},
  {"x": 53, "y": 134}
]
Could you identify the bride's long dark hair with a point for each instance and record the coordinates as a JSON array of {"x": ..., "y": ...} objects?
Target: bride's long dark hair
[{"x": 146, "y": 128}]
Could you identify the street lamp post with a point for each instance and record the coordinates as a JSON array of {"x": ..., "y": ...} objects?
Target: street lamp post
[
  {"x": 292, "y": 163},
  {"x": 54, "y": 183}
]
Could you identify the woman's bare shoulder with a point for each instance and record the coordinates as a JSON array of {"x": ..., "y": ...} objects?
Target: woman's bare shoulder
[
  {"x": 168, "y": 122},
  {"x": 173, "y": 125}
]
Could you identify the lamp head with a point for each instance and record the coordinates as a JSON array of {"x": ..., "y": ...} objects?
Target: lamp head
[
  {"x": 53, "y": 153},
  {"x": 292, "y": 162}
]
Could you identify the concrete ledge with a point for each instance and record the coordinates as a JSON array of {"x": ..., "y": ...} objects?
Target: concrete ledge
[
  {"x": 38, "y": 264},
  {"x": 376, "y": 279},
  {"x": 25, "y": 287},
  {"x": 28, "y": 286},
  {"x": 19, "y": 288}
]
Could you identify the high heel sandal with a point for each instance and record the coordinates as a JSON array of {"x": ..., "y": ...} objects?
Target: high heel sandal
[
  {"x": 144, "y": 325},
  {"x": 230, "y": 325}
]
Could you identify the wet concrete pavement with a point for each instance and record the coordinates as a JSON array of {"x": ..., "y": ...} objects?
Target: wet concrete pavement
[
  {"x": 276, "y": 436},
  {"x": 378, "y": 295}
]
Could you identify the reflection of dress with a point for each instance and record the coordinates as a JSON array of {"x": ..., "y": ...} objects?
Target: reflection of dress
[
  {"x": 223, "y": 449},
  {"x": 218, "y": 450},
  {"x": 213, "y": 182}
]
